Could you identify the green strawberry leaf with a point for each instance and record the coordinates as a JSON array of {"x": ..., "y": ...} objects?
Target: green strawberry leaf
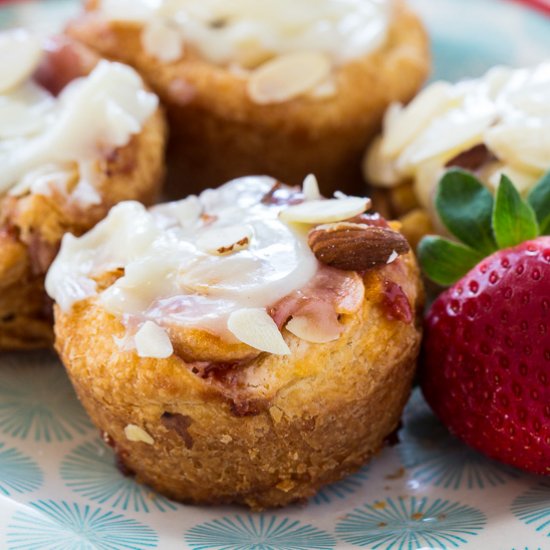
[
  {"x": 539, "y": 199},
  {"x": 445, "y": 262},
  {"x": 465, "y": 207},
  {"x": 514, "y": 220}
]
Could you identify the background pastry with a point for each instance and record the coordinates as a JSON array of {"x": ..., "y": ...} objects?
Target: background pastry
[
  {"x": 282, "y": 87},
  {"x": 76, "y": 137},
  {"x": 253, "y": 344},
  {"x": 494, "y": 125}
]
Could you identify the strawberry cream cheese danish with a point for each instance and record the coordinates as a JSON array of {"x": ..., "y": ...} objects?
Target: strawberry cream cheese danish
[
  {"x": 77, "y": 135},
  {"x": 280, "y": 87},
  {"x": 497, "y": 124},
  {"x": 251, "y": 344}
]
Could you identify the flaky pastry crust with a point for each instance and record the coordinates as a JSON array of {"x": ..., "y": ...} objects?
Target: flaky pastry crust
[
  {"x": 218, "y": 133},
  {"x": 32, "y": 226},
  {"x": 266, "y": 433}
]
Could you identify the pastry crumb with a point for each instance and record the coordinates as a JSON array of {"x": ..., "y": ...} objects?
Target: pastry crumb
[
  {"x": 276, "y": 414},
  {"x": 286, "y": 485}
]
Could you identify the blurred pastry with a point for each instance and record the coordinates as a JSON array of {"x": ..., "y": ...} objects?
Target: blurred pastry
[
  {"x": 497, "y": 124},
  {"x": 279, "y": 87},
  {"x": 76, "y": 137},
  {"x": 250, "y": 345}
]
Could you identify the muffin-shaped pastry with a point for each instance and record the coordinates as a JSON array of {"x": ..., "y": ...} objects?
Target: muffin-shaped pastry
[
  {"x": 282, "y": 87},
  {"x": 249, "y": 345},
  {"x": 494, "y": 125},
  {"x": 76, "y": 137}
]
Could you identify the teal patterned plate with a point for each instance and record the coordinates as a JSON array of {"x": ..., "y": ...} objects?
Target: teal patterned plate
[{"x": 60, "y": 489}]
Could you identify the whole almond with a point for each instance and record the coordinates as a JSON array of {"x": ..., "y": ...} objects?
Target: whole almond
[{"x": 355, "y": 247}]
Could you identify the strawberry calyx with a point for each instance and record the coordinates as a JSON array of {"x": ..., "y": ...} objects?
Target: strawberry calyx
[{"x": 481, "y": 223}]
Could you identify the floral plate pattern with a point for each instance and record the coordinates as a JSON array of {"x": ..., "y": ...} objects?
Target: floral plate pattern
[{"x": 60, "y": 488}]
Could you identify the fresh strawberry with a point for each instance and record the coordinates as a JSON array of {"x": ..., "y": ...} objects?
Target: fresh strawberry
[{"x": 486, "y": 358}]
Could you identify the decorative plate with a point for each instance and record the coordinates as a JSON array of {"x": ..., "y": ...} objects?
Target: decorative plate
[{"x": 60, "y": 489}]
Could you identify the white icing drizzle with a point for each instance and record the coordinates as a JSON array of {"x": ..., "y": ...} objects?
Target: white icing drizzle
[
  {"x": 243, "y": 31},
  {"x": 507, "y": 110},
  {"x": 45, "y": 141},
  {"x": 20, "y": 54},
  {"x": 171, "y": 278}
]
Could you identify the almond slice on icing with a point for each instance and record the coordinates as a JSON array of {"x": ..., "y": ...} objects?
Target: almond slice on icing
[
  {"x": 20, "y": 53},
  {"x": 137, "y": 434},
  {"x": 226, "y": 240},
  {"x": 253, "y": 326},
  {"x": 306, "y": 329},
  {"x": 524, "y": 146},
  {"x": 326, "y": 211},
  {"x": 162, "y": 41},
  {"x": 310, "y": 188},
  {"x": 448, "y": 135},
  {"x": 185, "y": 212},
  {"x": 403, "y": 128},
  {"x": 288, "y": 76},
  {"x": 378, "y": 169},
  {"x": 324, "y": 90},
  {"x": 153, "y": 341}
]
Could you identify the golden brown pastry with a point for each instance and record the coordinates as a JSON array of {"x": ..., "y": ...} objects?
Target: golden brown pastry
[
  {"x": 282, "y": 87},
  {"x": 76, "y": 137},
  {"x": 254, "y": 344}
]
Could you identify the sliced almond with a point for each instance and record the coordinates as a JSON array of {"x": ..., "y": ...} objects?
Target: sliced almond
[
  {"x": 324, "y": 90},
  {"x": 153, "y": 341},
  {"x": 428, "y": 175},
  {"x": 162, "y": 40},
  {"x": 310, "y": 188},
  {"x": 185, "y": 212},
  {"x": 326, "y": 211},
  {"x": 446, "y": 137},
  {"x": 391, "y": 116},
  {"x": 20, "y": 53},
  {"x": 310, "y": 331},
  {"x": 253, "y": 326},
  {"x": 402, "y": 129},
  {"x": 378, "y": 169},
  {"x": 137, "y": 434},
  {"x": 355, "y": 247},
  {"x": 250, "y": 53},
  {"x": 226, "y": 240},
  {"x": 288, "y": 76},
  {"x": 524, "y": 146},
  {"x": 392, "y": 257}
]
